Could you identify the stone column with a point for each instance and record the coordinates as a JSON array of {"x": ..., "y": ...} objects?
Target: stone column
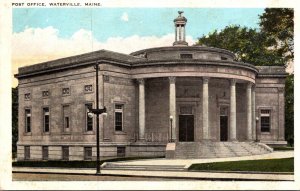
[
  {"x": 172, "y": 98},
  {"x": 179, "y": 33},
  {"x": 205, "y": 108},
  {"x": 232, "y": 110},
  {"x": 141, "y": 109},
  {"x": 281, "y": 117},
  {"x": 175, "y": 33},
  {"x": 253, "y": 114},
  {"x": 249, "y": 111}
]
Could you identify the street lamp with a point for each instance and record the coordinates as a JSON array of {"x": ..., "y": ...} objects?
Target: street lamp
[
  {"x": 97, "y": 112},
  {"x": 171, "y": 122},
  {"x": 256, "y": 119}
]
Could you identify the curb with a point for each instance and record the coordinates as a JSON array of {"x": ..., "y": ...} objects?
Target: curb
[{"x": 145, "y": 176}]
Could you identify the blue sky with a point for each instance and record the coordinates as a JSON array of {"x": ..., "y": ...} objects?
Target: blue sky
[
  {"x": 43, "y": 34},
  {"x": 107, "y": 22}
]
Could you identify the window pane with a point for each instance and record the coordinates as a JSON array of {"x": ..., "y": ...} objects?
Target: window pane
[
  {"x": 118, "y": 106},
  {"x": 118, "y": 121},
  {"x": 45, "y": 152},
  {"x": 66, "y": 122},
  {"x": 88, "y": 153},
  {"x": 27, "y": 152},
  {"x": 47, "y": 123},
  {"x": 265, "y": 124},
  {"x": 46, "y": 119},
  {"x": 65, "y": 151},
  {"x": 27, "y": 120},
  {"x": 89, "y": 121}
]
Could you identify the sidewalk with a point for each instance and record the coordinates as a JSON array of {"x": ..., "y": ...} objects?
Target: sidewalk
[
  {"x": 163, "y": 174},
  {"x": 189, "y": 162},
  {"x": 184, "y": 175}
]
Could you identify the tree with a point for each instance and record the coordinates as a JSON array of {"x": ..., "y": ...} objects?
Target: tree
[
  {"x": 248, "y": 44},
  {"x": 273, "y": 44},
  {"x": 15, "y": 106},
  {"x": 289, "y": 109},
  {"x": 278, "y": 25}
]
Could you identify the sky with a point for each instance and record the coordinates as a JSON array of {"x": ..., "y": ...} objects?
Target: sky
[{"x": 43, "y": 34}]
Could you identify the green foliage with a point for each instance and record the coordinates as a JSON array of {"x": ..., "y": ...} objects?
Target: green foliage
[
  {"x": 289, "y": 109},
  {"x": 273, "y": 44},
  {"x": 248, "y": 44},
  {"x": 278, "y": 25},
  {"x": 284, "y": 148},
  {"x": 15, "y": 106},
  {"x": 265, "y": 165}
]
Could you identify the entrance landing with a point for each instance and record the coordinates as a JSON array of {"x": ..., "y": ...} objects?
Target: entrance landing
[{"x": 209, "y": 149}]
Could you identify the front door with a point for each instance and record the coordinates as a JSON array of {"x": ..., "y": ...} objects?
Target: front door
[
  {"x": 224, "y": 128},
  {"x": 224, "y": 123},
  {"x": 186, "y": 128}
]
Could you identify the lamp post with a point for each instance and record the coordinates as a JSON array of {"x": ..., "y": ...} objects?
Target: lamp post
[
  {"x": 171, "y": 122},
  {"x": 97, "y": 112},
  {"x": 256, "y": 119}
]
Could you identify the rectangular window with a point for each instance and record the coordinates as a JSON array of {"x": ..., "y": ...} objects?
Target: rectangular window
[
  {"x": 27, "y": 152},
  {"x": 27, "y": 120},
  {"x": 46, "y": 119},
  {"x": 65, "y": 153},
  {"x": 67, "y": 123},
  {"x": 265, "y": 120},
  {"x": 120, "y": 151},
  {"x": 89, "y": 121},
  {"x": 186, "y": 56},
  {"x": 119, "y": 117},
  {"x": 66, "y": 117},
  {"x": 45, "y": 152},
  {"x": 87, "y": 153}
]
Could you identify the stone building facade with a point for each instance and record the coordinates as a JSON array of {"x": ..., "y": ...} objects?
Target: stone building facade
[{"x": 157, "y": 99}]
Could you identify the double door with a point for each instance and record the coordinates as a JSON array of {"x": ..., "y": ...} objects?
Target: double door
[{"x": 186, "y": 128}]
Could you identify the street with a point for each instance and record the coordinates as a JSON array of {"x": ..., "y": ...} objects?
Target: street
[{"x": 68, "y": 177}]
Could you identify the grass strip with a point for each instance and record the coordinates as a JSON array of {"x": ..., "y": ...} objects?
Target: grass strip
[
  {"x": 265, "y": 165},
  {"x": 283, "y": 148}
]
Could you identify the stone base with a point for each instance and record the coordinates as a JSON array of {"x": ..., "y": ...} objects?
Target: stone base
[
  {"x": 107, "y": 150},
  {"x": 170, "y": 150}
]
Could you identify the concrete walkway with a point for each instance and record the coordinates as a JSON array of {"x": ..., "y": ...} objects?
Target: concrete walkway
[
  {"x": 188, "y": 162},
  {"x": 178, "y": 174}
]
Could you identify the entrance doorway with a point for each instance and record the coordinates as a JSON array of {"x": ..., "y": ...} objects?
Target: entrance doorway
[
  {"x": 224, "y": 123},
  {"x": 186, "y": 128}
]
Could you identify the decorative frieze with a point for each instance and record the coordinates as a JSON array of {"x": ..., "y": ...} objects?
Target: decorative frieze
[
  {"x": 66, "y": 91},
  {"x": 45, "y": 93},
  {"x": 105, "y": 78},
  {"x": 27, "y": 96},
  {"x": 88, "y": 88}
]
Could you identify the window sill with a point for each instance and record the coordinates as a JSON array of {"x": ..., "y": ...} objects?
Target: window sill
[
  {"x": 120, "y": 133},
  {"x": 27, "y": 134},
  {"x": 265, "y": 133},
  {"x": 66, "y": 133},
  {"x": 89, "y": 133},
  {"x": 46, "y": 133}
]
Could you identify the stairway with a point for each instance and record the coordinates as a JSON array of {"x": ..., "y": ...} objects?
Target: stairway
[
  {"x": 210, "y": 149},
  {"x": 120, "y": 166}
]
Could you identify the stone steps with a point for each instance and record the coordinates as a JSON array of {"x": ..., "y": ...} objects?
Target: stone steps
[
  {"x": 210, "y": 149},
  {"x": 116, "y": 166}
]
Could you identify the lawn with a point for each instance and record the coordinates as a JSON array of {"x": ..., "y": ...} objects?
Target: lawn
[
  {"x": 283, "y": 148},
  {"x": 71, "y": 164},
  {"x": 266, "y": 165}
]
